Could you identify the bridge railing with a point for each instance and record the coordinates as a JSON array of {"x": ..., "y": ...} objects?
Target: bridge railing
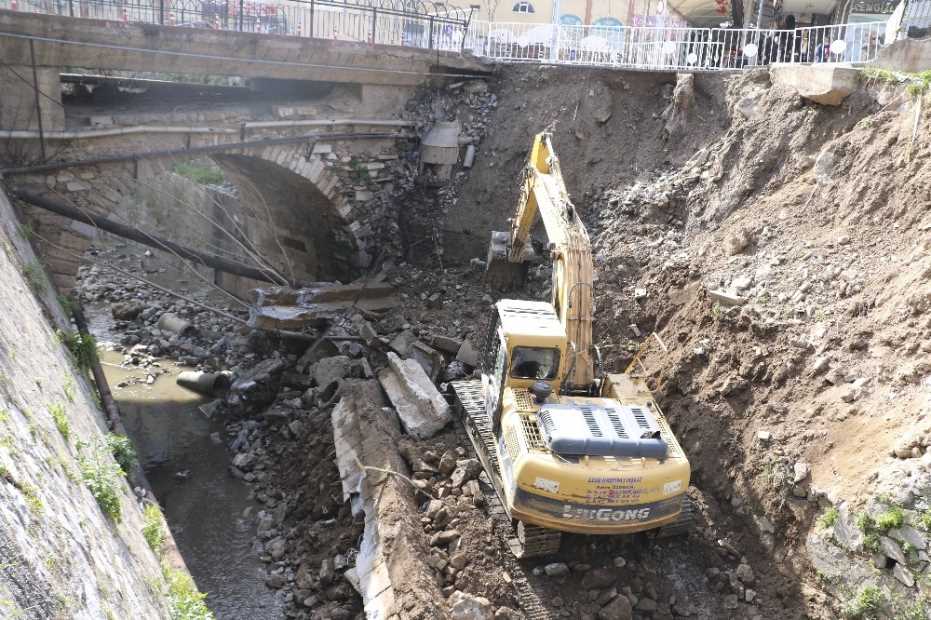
[
  {"x": 679, "y": 49},
  {"x": 320, "y": 19},
  {"x": 649, "y": 48}
]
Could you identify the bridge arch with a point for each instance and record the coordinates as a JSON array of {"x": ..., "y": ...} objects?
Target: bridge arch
[{"x": 288, "y": 205}]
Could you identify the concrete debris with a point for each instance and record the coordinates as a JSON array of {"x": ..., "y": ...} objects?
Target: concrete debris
[
  {"x": 330, "y": 370},
  {"x": 468, "y": 354},
  {"x": 422, "y": 409},
  {"x": 282, "y": 308},
  {"x": 822, "y": 83},
  {"x": 463, "y": 606},
  {"x": 726, "y": 299}
]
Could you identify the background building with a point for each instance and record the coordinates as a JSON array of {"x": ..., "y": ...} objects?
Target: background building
[{"x": 579, "y": 12}]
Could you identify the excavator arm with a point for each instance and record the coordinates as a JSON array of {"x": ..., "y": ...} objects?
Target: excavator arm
[{"x": 544, "y": 196}]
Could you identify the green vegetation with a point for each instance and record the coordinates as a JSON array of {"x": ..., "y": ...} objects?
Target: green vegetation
[
  {"x": 31, "y": 495},
  {"x": 68, "y": 389},
  {"x": 35, "y": 276},
  {"x": 122, "y": 450},
  {"x": 828, "y": 519},
  {"x": 867, "y": 525},
  {"x": 66, "y": 304},
  {"x": 152, "y": 529},
  {"x": 891, "y": 518},
  {"x": 917, "y": 610},
  {"x": 200, "y": 173},
  {"x": 82, "y": 348},
  {"x": 187, "y": 603},
  {"x": 102, "y": 478},
  {"x": 61, "y": 419},
  {"x": 359, "y": 173},
  {"x": 4, "y": 415},
  {"x": 867, "y": 604},
  {"x": 925, "y": 520},
  {"x": 916, "y": 83}
]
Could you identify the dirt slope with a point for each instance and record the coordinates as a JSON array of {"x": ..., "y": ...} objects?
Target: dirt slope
[
  {"x": 608, "y": 128},
  {"x": 790, "y": 404}
]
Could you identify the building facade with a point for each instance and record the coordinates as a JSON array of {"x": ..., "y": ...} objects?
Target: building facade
[{"x": 607, "y": 13}]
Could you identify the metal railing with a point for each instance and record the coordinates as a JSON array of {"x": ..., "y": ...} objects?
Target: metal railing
[
  {"x": 917, "y": 16},
  {"x": 389, "y": 22},
  {"x": 688, "y": 49},
  {"x": 384, "y": 24}
]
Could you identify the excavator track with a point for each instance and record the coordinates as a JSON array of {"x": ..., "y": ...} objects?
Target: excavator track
[
  {"x": 683, "y": 524},
  {"x": 524, "y": 541}
]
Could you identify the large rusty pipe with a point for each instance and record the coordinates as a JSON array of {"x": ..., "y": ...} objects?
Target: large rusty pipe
[{"x": 153, "y": 241}]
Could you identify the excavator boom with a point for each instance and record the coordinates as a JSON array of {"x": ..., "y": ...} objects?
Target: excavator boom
[{"x": 544, "y": 197}]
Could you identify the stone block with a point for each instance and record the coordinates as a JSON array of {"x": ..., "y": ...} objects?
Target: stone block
[
  {"x": 824, "y": 84},
  {"x": 422, "y": 409}
]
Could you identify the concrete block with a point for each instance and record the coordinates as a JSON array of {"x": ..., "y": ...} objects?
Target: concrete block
[
  {"x": 468, "y": 354},
  {"x": 727, "y": 298},
  {"x": 824, "y": 84},
  {"x": 322, "y": 149},
  {"x": 422, "y": 409}
]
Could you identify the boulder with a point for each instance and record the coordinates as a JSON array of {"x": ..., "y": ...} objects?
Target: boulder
[
  {"x": 463, "y": 606},
  {"x": 126, "y": 310},
  {"x": 329, "y": 370},
  {"x": 618, "y": 609}
]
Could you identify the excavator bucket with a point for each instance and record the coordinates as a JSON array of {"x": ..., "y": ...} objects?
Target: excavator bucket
[{"x": 500, "y": 273}]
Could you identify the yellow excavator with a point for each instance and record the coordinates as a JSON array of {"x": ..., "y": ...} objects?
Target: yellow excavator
[{"x": 567, "y": 447}]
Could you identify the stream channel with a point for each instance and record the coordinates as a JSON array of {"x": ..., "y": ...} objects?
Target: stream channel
[{"x": 187, "y": 469}]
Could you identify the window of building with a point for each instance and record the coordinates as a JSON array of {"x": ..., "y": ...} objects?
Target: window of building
[
  {"x": 608, "y": 22},
  {"x": 570, "y": 20},
  {"x": 523, "y": 7}
]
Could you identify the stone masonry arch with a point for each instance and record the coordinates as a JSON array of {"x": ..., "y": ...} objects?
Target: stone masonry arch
[{"x": 291, "y": 204}]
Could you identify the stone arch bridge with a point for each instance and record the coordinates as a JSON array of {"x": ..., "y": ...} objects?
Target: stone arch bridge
[{"x": 303, "y": 203}]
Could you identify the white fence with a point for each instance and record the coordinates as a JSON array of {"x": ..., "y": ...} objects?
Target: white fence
[
  {"x": 647, "y": 48},
  {"x": 691, "y": 49}
]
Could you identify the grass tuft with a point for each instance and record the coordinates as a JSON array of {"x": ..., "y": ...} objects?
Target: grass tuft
[
  {"x": 187, "y": 603},
  {"x": 122, "y": 450},
  {"x": 102, "y": 477},
  {"x": 152, "y": 528},
  {"x": 828, "y": 519},
  {"x": 200, "y": 173},
  {"x": 892, "y": 518},
  {"x": 867, "y": 604},
  {"x": 82, "y": 348},
  {"x": 61, "y": 419}
]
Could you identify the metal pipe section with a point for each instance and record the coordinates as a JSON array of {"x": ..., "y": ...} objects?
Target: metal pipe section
[
  {"x": 153, "y": 241},
  {"x": 29, "y": 134}
]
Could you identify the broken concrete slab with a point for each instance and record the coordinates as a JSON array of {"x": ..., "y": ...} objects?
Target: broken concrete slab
[
  {"x": 824, "y": 84},
  {"x": 422, "y": 409},
  {"x": 316, "y": 305},
  {"x": 447, "y": 344},
  {"x": 392, "y": 553},
  {"x": 402, "y": 343},
  {"x": 468, "y": 354},
  {"x": 429, "y": 359}
]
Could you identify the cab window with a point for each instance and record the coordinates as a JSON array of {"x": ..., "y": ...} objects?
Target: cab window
[{"x": 534, "y": 363}]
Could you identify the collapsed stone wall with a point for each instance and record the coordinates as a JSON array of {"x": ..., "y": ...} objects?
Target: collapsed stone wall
[{"x": 60, "y": 555}]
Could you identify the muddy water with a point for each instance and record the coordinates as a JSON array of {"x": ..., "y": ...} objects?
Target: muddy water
[{"x": 203, "y": 504}]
